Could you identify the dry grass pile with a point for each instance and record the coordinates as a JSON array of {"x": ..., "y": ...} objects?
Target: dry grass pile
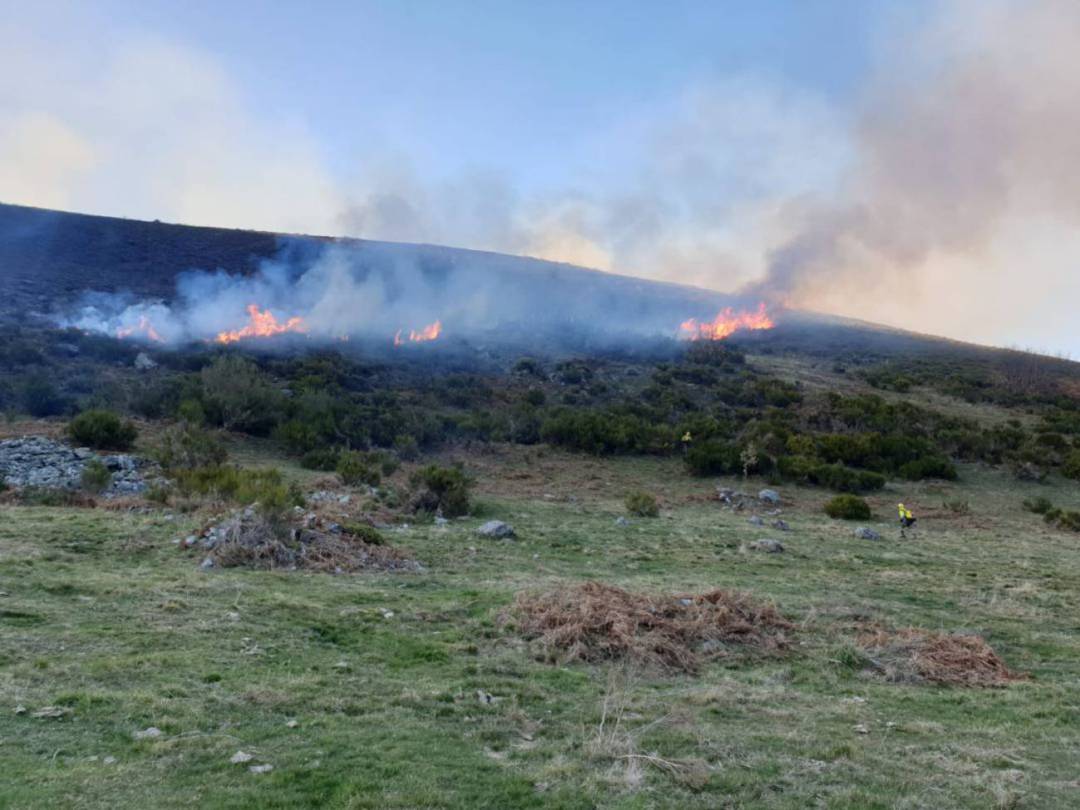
[
  {"x": 249, "y": 539},
  {"x": 921, "y": 656},
  {"x": 597, "y": 622}
]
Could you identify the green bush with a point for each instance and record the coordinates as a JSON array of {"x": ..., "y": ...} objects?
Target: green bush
[
  {"x": 848, "y": 507},
  {"x": 832, "y": 476},
  {"x": 1070, "y": 468},
  {"x": 1040, "y": 505},
  {"x": 267, "y": 488},
  {"x": 322, "y": 458},
  {"x": 355, "y": 468},
  {"x": 406, "y": 447},
  {"x": 186, "y": 446},
  {"x": 929, "y": 467},
  {"x": 102, "y": 430},
  {"x": 238, "y": 396},
  {"x": 642, "y": 504},
  {"x": 606, "y": 432},
  {"x": 364, "y": 532},
  {"x": 713, "y": 457},
  {"x": 441, "y": 489},
  {"x": 95, "y": 477},
  {"x": 40, "y": 398}
]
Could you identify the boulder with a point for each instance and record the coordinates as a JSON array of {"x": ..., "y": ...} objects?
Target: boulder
[
  {"x": 769, "y": 496},
  {"x": 37, "y": 461},
  {"x": 768, "y": 546},
  {"x": 781, "y": 525},
  {"x": 863, "y": 533},
  {"x": 496, "y": 529},
  {"x": 754, "y": 520}
]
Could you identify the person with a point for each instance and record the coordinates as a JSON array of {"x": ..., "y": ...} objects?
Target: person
[
  {"x": 686, "y": 439},
  {"x": 907, "y": 520}
]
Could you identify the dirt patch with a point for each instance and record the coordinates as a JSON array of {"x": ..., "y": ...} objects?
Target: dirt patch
[
  {"x": 597, "y": 622},
  {"x": 921, "y": 656},
  {"x": 249, "y": 539}
]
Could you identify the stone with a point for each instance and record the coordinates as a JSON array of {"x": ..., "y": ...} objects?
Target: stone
[
  {"x": 109, "y": 760},
  {"x": 20, "y": 709},
  {"x": 261, "y": 768},
  {"x": 292, "y": 724},
  {"x": 147, "y": 733},
  {"x": 621, "y": 521},
  {"x": 37, "y": 461},
  {"x": 781, "y": 525},
  {"x": 206, "y": 564},
  {"x": 754, "y": 520},
  {"x": 769, "y": 496},
  {"x": 441, "y": 521},
  {"x": 768, "y": 546},
  {"x": 496, "y": 529},
  {"x": 863, "y": 533},
  {"x": 240, "y": 757},
  {"x": 51, "y": 712}
]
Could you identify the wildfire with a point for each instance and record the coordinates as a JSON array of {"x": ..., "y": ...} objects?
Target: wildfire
[
  {"x": 143, "y": 329},
  {"x": 262, "y": 324},
  {"x": 728, "y": 322},
  {"x": 429, "y": 332}
]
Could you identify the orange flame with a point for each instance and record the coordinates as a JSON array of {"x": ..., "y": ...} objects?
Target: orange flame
[
  {"x": 728, "y": 322},
  {"x": 429, "y": 332},
  {"x": 143, "y": 327},
  {"x": 262, "y": 324}
]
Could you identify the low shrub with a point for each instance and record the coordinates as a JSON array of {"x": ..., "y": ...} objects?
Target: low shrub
[
  {"x": 713, "y": 457},
  {"x": 441, "y": 489},
  {"x": 95, "y": 477},
  {"x": 928, "y": 467},
  {"x": 322, "y": 458},
  {"x": 1040, "y": 505},
  {"x": 364, "y": 532},
  {"x": 848, "y": 507},
  {"x": 354, "y": 468},
  {"x": 187, "y": 446},
  {"x": 267, "y": 488},
  {"x": 1070, "y": 467},
  {"x": 642, "y": 504},
  {"x": 102, "y": 430}
]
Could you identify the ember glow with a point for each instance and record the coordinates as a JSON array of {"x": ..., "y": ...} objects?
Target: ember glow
[
  {"x": 429, "y": 332},
  {"x": 728, "y": 322},
  {"x": 262, "y": 324},
  {"x": 143, "y": 329}
]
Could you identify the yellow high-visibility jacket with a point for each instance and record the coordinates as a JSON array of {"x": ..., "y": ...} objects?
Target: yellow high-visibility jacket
[{"x": 904, "y": 512}]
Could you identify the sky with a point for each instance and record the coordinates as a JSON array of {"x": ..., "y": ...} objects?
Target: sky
[{"x": 913, "y": 163}]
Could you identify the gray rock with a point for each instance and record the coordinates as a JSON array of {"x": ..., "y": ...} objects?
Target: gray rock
[
  {"x": 37, "y": 461},
  {"x": 206, "y": 564},
  {"x": 754, "y": 520},
  {"x": 147, "y": 733},
  {"x": 621, "y": 521},
  {"x": 781, "y": 525},
  {"x": 144, "y": 362},
  {"x": 496, "y": 529},
  {"x": 768, "y": 546},
  {"x": 441, "y": 521},
  {"x": 863, "y": 533},
  {"x": 769, "y": 496}
]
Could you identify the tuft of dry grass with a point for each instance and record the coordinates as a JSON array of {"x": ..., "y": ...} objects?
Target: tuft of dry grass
[
  {"x": 597, "y": 622},
  {"x": 912, "y": 655}
]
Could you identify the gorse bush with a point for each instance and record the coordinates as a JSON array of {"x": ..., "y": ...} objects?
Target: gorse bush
[
  {"x": 1070, "y": 468},
  {"x": 102, "y": 430},
  {"x": 95, "y": 477},
  {"x": 238, "y": 396},
  {"x": 441, "y": 489},
  {"x": 1040, "y": 505},
  {"x": 354, "y": 468},
  {"x": 713, "y": 457},
  {"x": 267, "y": 488},
  {"x": 186, "y": 446},
  {"x": 642, "y": 504},
  {"x": 848, "y": 507}
]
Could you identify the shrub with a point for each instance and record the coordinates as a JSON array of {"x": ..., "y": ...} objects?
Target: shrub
[
  {"x": 95, "y": 477},
  {"x": 1040, "y": 505},
  {"x": 1064, "y": 519},
  {"x": 238, "y": 396},
  {"x": 103, "y": 430},
  {"x": 928, "y": 467},
  {"x": 713, "y": 457},
  {"x": 606, "y": 432},
  {"x": 642, "y": 504},
  {"x": 365, "y": 533},
  {"x": 40, "y": 398},
  {"x": 1070, "y": 468},
  {"x": 442, "y": 489},
  {"x": 848, "y": 507},
  {"x": 406, "y": 447},
  {"x": 267, "y": 488},
  {"x": 355, "y": 468},
  {"x": 187, "y": 446},
  {"x": 322, "y": 458}
]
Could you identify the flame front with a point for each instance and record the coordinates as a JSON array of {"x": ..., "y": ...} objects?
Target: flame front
[
  {"x": 143, "y": 329},
  {"x": 262, "y": 324},
  {"x": 429, "y": 332},
  {"x": 728, "y": 322}
]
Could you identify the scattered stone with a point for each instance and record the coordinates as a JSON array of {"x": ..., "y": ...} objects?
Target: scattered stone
[
  {"x": 768, "y": 546},
  {"x": 863, "y": 533},
  {"x": 769, "y": 496},
  {"x": 240, "y": 757},
  {"x": 860, "y": 728},
  {"x": 486, "y": 698},
  {"x": 387, "y": 614},
  {"x": 206, "y": 564},
  {"x": 20, "y": 709},
  {"x": 781, "y": 525},
  {"x": 37, "y": 461},
  {"x": 109, "y": 760},
  {"x": 621, "y": 521},
  {"x": 754, "y": 520},
  {"x": 51, "y": 712},
  {"x": 292, "y": 724},
  {"x": 441, "y": 521},
  {"x": 261, "y": 768},
  {"x": 144, "y": 362},
  {"x": 496, "y": 529},
  {"x": 147, "y": 733},
  {"x": 232, "y": 616}
]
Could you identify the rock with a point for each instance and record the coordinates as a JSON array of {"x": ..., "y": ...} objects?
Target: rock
[
  {"x": 37, "y": 461},
  {"x": 51, "y": 712},
  {"x": 754, "y": 520},
  {"x": 20, "y": 709},
  {"x": 143, "y": 362},
  {"x": 485, "y": 698},
  {"x": 292, "y": 724},
  {"x": 441, "y": 521},
  {"x": 147, "y": 733},
  {"x": 496, "y": 529},
  {"x": 860, "y": 728},
  {"x": 109, "y": 760},
  {"x": 769, "y": 496},
  {"x": 240, "y": 757},
  {"x": 768, "y": 546},
  {"x": 863, "y": 533},
  {"x": 781, "y": 525},
  {"x": 206, "y": 564},
  {"x": 261, "y": 768},
  {"x": 621, "y": 521}
]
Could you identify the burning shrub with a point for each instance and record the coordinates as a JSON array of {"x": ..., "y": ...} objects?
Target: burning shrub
[
  {"x": 443, "y": 490},
  {"x": 596, "y": 622},
  {"x": 355, "y": 468},
  {"x": 103, "y": 430},
  {"x": 642, "y": 504},
  {"x": 848, "y": 507},
  {"x": 922, "y": 656}
]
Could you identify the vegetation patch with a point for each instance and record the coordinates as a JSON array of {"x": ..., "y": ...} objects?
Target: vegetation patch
[
  {"x": 595, "y": 622},
  {"x": 922, "y": 656}
]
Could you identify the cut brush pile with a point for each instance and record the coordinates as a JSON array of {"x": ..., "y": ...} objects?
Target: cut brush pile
[
  {"x": 596, "y": 622},
  {"x": 921, "y": 656}
]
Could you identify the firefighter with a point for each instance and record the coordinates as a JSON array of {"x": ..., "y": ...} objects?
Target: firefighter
[
  {"x": 686, "y": 439},
  {"x": 907, "y": 519}
]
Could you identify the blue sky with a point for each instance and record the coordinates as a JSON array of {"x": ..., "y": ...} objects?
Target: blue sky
[{"x": 838, "y": 155}]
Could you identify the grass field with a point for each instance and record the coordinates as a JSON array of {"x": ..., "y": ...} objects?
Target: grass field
[{"x": 362, "y": 691}]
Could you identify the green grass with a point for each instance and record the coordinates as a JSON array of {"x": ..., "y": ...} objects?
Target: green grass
[{"x": 103, "y": 615}]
